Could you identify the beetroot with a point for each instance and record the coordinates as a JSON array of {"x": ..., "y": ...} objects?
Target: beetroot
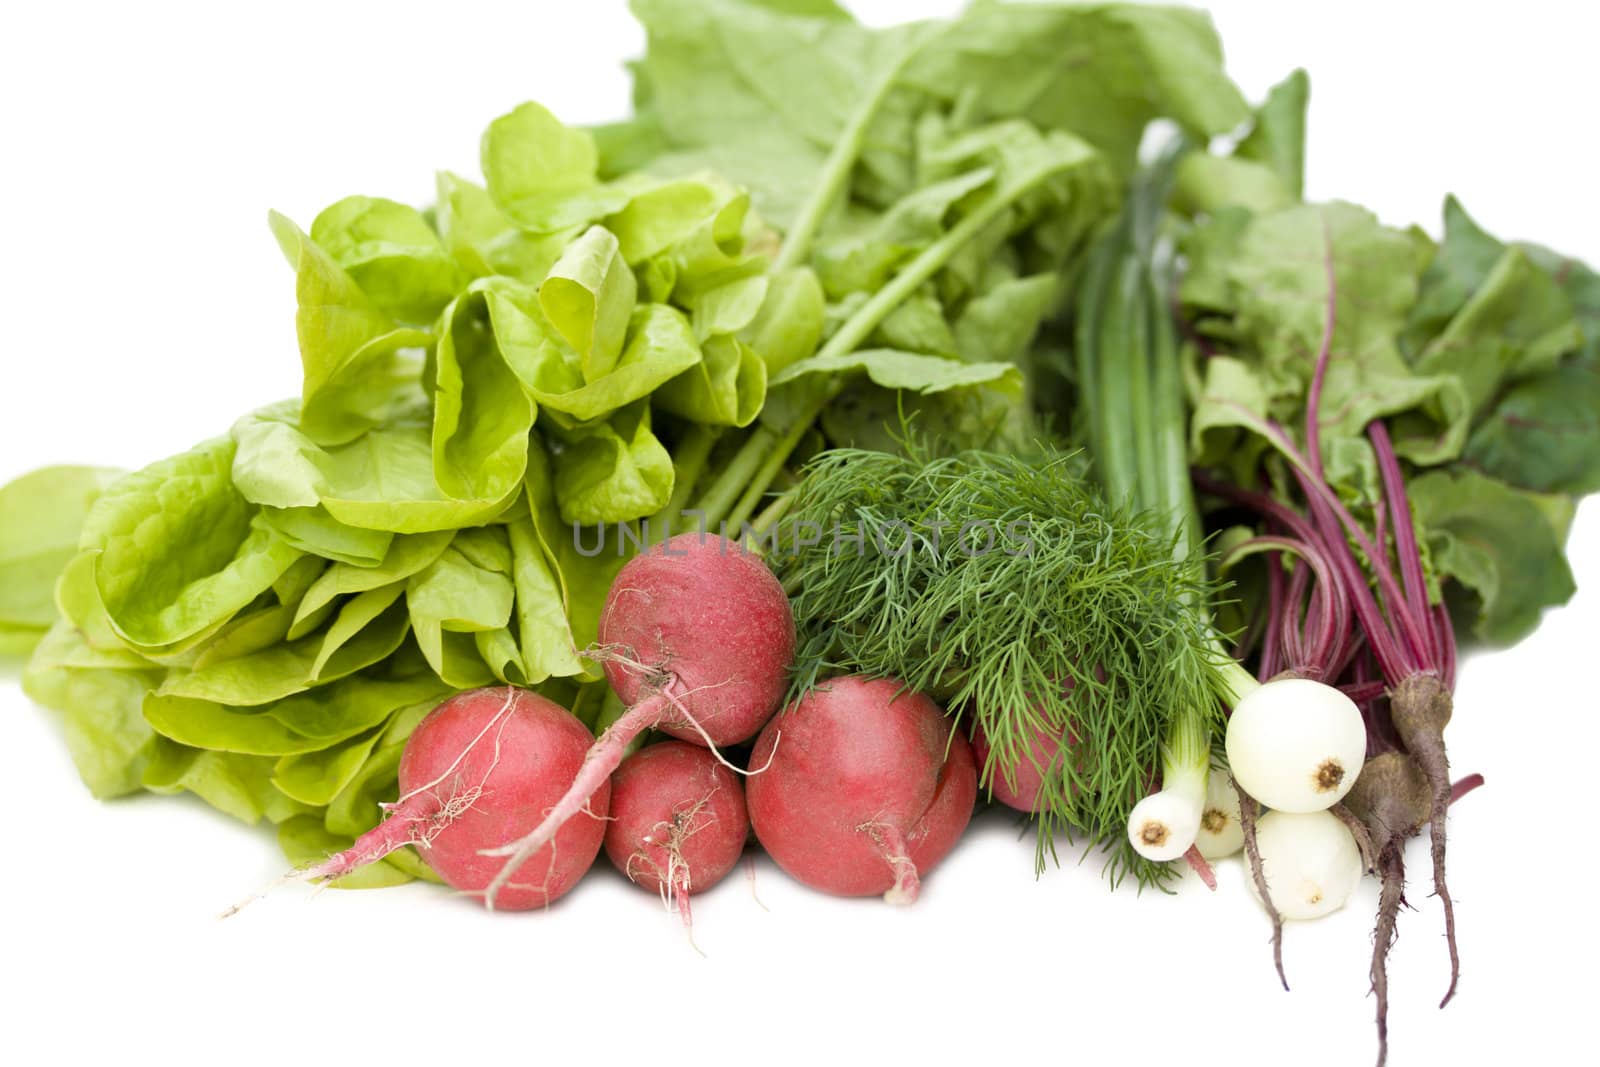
[
  {"x": 678, "y": 821},
  {"x": 697, "y": 637},
  {"x": 484, "y": 766},
  {"x": 866, "y": 789}
]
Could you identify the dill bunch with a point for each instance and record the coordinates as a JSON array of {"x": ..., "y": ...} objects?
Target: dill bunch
[{"x": 1007, "y": 588}]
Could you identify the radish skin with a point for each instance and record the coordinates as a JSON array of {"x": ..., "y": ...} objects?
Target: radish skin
[
  {"x": 481, "y": 767},
  {"x": 678, "y": 821},
  {"x": 869, "y": 788}
]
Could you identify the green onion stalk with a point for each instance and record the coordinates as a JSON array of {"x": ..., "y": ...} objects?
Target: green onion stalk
[{"x": 1132, "y": 409}]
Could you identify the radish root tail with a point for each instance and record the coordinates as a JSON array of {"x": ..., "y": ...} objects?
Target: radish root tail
[
  {"x": 892, "y": 845},
  {"x": 414, "y": 819},
  {"x": 676, "y": 882}
]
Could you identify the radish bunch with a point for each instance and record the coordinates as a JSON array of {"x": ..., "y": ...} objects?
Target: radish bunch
[
  {"x": 697, "y": 638},
  {"x": 857, "y": 789}
]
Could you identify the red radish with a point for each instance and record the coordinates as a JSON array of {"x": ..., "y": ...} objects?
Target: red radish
[
  {"x": 482, "y": 767},
  {"x": 678, "y": 821},
  {"x": 869, "y": 788},
  {"x": 1020, "y": 788},
  {"x": 696, "y": 635}
]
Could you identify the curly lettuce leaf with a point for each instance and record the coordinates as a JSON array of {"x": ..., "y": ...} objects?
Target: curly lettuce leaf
[
  {"x": 408, "y": 554},
  {"x": 612, "y": 471},
  {"x": 179, "y": 550},
  {"x": 314, "y": 531},
  {"x": 356, "y": 360},
  {"x": 485, "y": 241},
  {"x": 391, "y": 252},
  {"x": 467, "y": 590},
  {"x": 659, "y": 345},
  {"x": 382, "y": 481},
  {"x": 788, "y": 326},
  {"x": 236, "y": 785},
  {"x": 98, "y": 702},
  {"x": 41, "y": 516},
  {"x": 725, "y": 388},
  {"x": 367, "y": 629},
  {"x": 558, "y": 560},
  {"x": 543, "y": 174},
  {"x": 588, "y": 297},
  {"x": 481, "y": 416},
  {"x": 307, "y": 722}
]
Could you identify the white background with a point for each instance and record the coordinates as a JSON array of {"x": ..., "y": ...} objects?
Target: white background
[{"x": 146, "y": 306}]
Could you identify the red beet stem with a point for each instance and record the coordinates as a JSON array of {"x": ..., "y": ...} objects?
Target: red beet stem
[
  {"x": 1198, "y": 864},
  {"x": 1465, "y": 786}
]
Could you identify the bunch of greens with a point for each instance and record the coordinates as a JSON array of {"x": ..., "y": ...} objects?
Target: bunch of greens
[
  {"x": 939, "y": 180},
  {"x": 263, "y": 619},
  {"x": 804, "y": 220},
  {"x": 1482, "y": 357},
  {"x": 1411, "y": 425}
]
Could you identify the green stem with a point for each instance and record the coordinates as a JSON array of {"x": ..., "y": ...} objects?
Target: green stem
[
  {"x": 858, "y": 327},
  {"x": 1091, "y": 305},
  {"x": 767, "y": 449},
  {"x": 778, "y": 455},
  {"x": 773, "y": 514},
  {"x": 688, "y": 463},
  {"x": 841, "y": 161},
  {"x": 1124, "y": 426},
  {"x": 1171, "y": 445},
  {"x": 1237, "y": 683},
  {"x": 722, "y": 494}
]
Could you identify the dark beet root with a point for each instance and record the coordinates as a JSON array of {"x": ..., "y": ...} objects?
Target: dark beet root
[
  {"x": 1420, "y": 707},
  {"x": 1359, "y": 831},
  {"x": 1393, "y": 799},
  {"x": 1247, "y": 823}
]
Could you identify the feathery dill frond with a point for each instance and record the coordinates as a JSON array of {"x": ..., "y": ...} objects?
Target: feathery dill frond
[{"x": 1010, "y": 590}]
